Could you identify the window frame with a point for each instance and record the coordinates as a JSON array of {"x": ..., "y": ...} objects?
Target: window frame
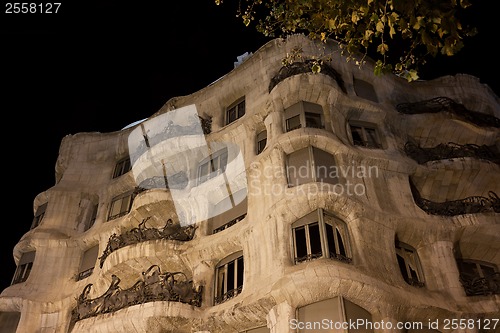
[
  {"x": 365, "y": 142},
  {"x": 39, "y": 215},
  {"x": 322, "y": 218},
  {"x": 24, "y": 267},
  {"x": 402, "y": 251},
  {"x": 212, "y": 170},
  {"x": 311, "y": 162},
  {"x": 83, "y": 273},
  {"x": 221, "y": 291},
  {"x": 301, "y": 109},
  {"x": 479, "y": 278},
  {"x": 239, "y": 107},
  {"x": 260, "y": 137},
  {"x": 123, "y": 212},
  {"x": 122, "y": 167}
]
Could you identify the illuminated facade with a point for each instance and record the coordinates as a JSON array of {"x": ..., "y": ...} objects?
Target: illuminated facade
[{"x": 288, "y": 201}]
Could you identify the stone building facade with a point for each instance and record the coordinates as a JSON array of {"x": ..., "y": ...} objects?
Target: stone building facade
[{"x": 275, "y": 200}]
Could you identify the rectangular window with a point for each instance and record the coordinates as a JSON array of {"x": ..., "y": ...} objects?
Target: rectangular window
[
  {"x": 319, "y": 234},
  {"x": 261, "y": 141},
  {"x": 24, "y": 267},
  {"x": 229, "y": 211},
  {"x": 479, "y": 277},
  {"x": 213, "y": 167},
  {"x": 88, "y": 262},
  {"x": 365, "y": 136},
  {"x": 122, "y": 167},
  {"x": 303, "y": 114},
  {"x": 9, "y": 321},
  {"x": 235, "y": 111},
  {"x": 409, "y": 264},
  {"x": 120, "y": 206},
  {"x": 229, "y": 278},
  {"x": 311, "y": 164},
  {"x": 333, "y": 310},
  {"x": 40, "y": 213}
]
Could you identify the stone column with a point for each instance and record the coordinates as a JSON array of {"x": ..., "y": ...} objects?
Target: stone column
[{"x": 278, "y": 319}]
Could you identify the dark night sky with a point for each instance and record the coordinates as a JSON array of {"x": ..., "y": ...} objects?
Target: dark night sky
[{"x": 101, "y": 65}]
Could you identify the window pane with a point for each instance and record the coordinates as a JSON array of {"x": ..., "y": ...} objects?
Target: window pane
[
  {"x": 371, "y": 138},
  {"x": 315, "y": 241},
  {"x": 357, "y": 135},
  {"x": 299, "y": 167},
  {"x": 313, "y": 120},
  {"x": 241, "y": 109},
  {"x": 231, "y": 115},
  {"x": 221, "y": 281},
  {"x": 487, "y": 271},
  {"x": 341, "y": 246},
  {"x": 230, "y": 276},
  {"x": 317, "y": 312},
  {"x": 300, "y": 244},
  {"x": 330, "y": 237},
  {"x": 324, "y": 166},
  {"x": 241, "y": 269},
  {"x": 293, "y": 123},
  {"x": 402, "y": 267}
]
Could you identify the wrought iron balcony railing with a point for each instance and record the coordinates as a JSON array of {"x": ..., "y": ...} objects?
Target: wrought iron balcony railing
[
  {"x": 445, "y": 104},
  {"x": 143, "y": 233},
  {"x": 301, "y": 67},
  {"x": 469, "y": 205},
  {"x": 488, "y": 285},
  {"x": 153, "y": 286},
  {"x": 451, "y": 150}
]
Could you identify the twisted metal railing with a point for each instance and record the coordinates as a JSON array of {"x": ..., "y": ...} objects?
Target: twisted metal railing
[
  {"x": 451, "y": 150},
  {"x": 229, "y": 224},
  {"x": 301, "y": 67},
  {"x": 228, "y": 295},
  {"x": 446, "y": 104},
  {"x": 469, "y": 205},
  {"x": 154, "y": 286},
  {"x": 488, "y": 285},
  {"x": 143, "y": 233}
]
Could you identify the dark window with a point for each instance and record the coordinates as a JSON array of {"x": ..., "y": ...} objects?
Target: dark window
[
  {"x": 9, "y": 321},
  {"x": 210, "y": 168},
  {"x": 479, "y": 277},
  {"x": 320, "y": 234},
  {"x": 229, "y": 278},
  {"x": 261, "y": 141},
  {"x": 40, "y": 213},
  {"x": 120, "y": 206},
  {"x": 409, "y": 264},
  {"x": 235, "y": 111},
  {"x": 365, "y": 136},
  {"x": 122, "y": 167},
  {"x": 24, "y": 267},
  {"x": 88, "y": 262},
  {"x": 92, "y": 217},
  {"x": 365, "y": 90},
  {"x": 304, "y": 114}
]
